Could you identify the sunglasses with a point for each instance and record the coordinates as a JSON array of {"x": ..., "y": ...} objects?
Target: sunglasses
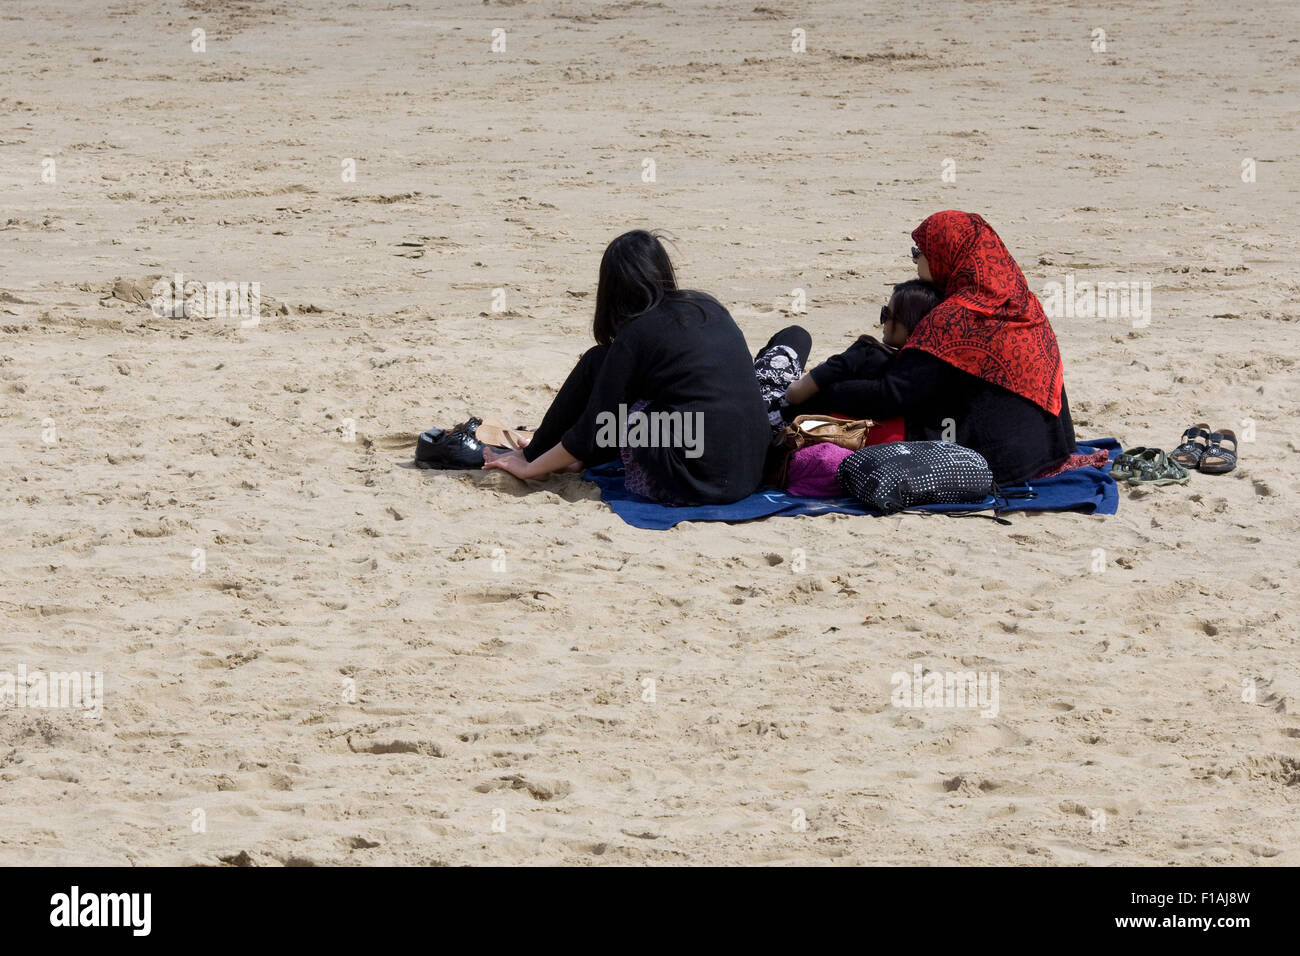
[
  {"x": 916, "y": 253},
  {"x": 885, "y": 314}
]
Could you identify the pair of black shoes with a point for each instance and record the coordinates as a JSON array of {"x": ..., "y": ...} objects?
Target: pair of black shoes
[{"x": 454, "y": 448}]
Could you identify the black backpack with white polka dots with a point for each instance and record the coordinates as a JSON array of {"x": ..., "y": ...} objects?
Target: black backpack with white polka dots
[{"x": 903, "y": 474}]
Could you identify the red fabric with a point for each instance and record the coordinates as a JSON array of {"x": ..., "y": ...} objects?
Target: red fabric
[
  {"x": 883, "y": 432},
  {"x": 1098, "y": 459},
  {"x": 989, "y": 323}
]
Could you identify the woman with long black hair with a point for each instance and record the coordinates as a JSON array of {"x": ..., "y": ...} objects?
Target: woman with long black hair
[{"x": 669, "y": 387}]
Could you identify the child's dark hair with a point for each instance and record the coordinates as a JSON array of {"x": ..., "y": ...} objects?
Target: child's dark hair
[{"x": 912, "y": 301}]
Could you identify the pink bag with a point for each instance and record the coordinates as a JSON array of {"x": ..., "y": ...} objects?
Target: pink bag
[{"x": 812, "y": 471}]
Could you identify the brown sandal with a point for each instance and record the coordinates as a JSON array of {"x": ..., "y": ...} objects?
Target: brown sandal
[{"x": 492, "y": 432}]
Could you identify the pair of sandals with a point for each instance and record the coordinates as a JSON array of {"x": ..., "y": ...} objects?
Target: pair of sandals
[
  {"x": 1148, "y": 466},
  {"x": 1209, "y": 452}
]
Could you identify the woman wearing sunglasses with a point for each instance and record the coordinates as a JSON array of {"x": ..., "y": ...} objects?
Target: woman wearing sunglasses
[{"x": 981, "y": 368}]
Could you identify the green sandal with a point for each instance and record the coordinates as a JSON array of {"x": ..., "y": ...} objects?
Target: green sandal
[
  {"x": 1153, "y": 468},
  {"x": 1123, "y": 465}
]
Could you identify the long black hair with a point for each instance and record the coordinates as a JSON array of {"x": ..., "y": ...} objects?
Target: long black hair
[{"x": 635, "y": 276}]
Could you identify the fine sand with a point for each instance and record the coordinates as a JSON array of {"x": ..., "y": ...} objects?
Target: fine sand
[{"x": 315, "y": 653}]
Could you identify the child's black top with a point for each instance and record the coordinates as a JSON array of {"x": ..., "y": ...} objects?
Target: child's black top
[{"x": 865, "y": 358}]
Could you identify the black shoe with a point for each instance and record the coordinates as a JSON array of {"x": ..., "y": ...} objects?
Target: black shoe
[{"x": 457, "y": 448}]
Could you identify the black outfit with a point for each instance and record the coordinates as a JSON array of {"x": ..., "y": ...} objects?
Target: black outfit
[
  {"x": 686, "y": 355},
  {"x": 1017, "y": 438},
  {"x": 865, "y": 358}
]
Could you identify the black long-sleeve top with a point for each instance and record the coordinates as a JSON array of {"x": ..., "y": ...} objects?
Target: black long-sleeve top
[
  {"x": 1017, "y": 438},
  {"x": 865, "y": 358},
  {"x": 686, "y": 355}
]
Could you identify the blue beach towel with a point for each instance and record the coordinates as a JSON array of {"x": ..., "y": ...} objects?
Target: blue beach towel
[{"x": 1088, "y": 490}]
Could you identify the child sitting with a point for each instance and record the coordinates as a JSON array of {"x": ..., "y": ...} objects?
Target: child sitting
[{"x": 817, "y": 392}]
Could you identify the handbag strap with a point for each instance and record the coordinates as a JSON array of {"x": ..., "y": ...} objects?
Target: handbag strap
[{"x": 971, "y": 513}]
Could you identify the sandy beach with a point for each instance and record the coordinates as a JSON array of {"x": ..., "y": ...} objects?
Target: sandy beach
[{"x": 314, "y": 653}]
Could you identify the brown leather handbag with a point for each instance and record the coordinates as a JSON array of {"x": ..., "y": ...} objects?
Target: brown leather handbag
[{"x": 805, "y": 430}]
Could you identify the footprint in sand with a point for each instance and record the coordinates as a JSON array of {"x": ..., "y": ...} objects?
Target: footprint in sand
[
  {"x": 388, "y": 744},
  {"x": 981, "y": 739},
  {"x": 1265, "y": 696},
  {"x": 396, "y": 441}
]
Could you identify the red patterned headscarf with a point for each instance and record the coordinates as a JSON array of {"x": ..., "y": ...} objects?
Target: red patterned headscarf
[{"x": 989, "y": 323}]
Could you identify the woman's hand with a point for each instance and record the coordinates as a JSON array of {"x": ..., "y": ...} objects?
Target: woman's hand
[
  {"x": 557, "y": 459},
  {"x": 512, "y": 461}
]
